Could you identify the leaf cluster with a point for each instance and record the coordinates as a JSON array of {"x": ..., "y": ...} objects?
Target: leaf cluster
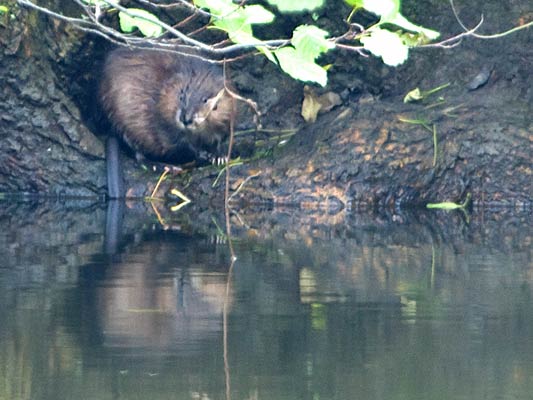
[
  {"x": 390, "y": 36},
  {"x": 298, "y": 56}
]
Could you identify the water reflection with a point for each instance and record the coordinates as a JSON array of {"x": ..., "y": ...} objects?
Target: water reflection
[
  {"x": 164, "y": 294},
  {"x": 363, "y": 308}
]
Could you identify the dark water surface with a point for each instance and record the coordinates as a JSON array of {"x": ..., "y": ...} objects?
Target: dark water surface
[{"x": 366, "y": 307}]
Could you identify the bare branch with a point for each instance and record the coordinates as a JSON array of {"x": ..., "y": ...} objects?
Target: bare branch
[
  {"x": 479, "y": 36},
  {"x": 455, "y": 40},
  {"x": 182, "y": 43},
  {"x": 94, "y": 26}
]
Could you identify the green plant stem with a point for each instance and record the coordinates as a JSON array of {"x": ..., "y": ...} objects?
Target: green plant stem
[{"x": 435, "y": 147}]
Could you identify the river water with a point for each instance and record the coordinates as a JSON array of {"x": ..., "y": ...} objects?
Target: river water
[{"x": 100, "y": 305}]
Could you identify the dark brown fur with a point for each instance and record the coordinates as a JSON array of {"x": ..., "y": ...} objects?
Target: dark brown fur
[{"x": 166, "y": 107}]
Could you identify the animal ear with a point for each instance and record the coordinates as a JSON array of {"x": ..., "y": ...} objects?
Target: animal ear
[
  {"x": 213, "y": 101},
  {"x": 219, "y": 95}
]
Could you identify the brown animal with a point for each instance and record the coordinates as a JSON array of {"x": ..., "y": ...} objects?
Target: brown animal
[{"x": 167, "y": 107}]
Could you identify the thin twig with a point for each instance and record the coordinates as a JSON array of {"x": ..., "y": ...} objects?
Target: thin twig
[
  {"x": 456, "y": 40},
  {"x": 242, "y": 185},
  {"x": 93, "y": 25}
]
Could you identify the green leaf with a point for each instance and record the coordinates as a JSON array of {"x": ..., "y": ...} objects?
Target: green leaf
[
  {"x": 446, "y": 205},
  {"x": 141, "y": 20},
  {"x": 236, "y": 21},
  {"x": 310, "y": 41},
  {"x": 299, "y": 61},
  {"x": 354, "y": 3},
  {"x": 299, "y": 67},
  {"x": 389, "y": 11},
  {"x": 100, "y": 3},
  {"x": 3, "y": 10},
  {"x": 217, "y": 7},
  {"x": 387, "y": 45},
  {"x": 257, "y": 14},
  {"x": 226, "y": 9},
  {"x": 404, "y": 23},
  {"x": 296, "y": 5},
  {"x": 384, "y": 8}
]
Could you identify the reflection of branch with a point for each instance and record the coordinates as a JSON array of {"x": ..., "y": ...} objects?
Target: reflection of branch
[
  {"x": 225, "y": 311},
  {"x": 227, "y": 211},
  {"x": 242, "y": 185}
]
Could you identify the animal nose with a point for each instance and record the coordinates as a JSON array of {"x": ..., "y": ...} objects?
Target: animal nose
[{"x": 186, "y": 118}]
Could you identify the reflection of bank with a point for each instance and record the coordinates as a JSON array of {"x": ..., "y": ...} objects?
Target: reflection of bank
[
  {"x": 139, "y": 308},
  {"x": 159, "y": 292}
]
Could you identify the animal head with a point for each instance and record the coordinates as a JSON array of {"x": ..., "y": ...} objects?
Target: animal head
[
  {"x": 194, "y": 100},
  {"x": 202, "y": 110}
]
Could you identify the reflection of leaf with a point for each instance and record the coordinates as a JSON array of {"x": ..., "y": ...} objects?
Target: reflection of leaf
[
  {"x": 318, "y": 317},
  {"x": 387, "y": 45},
  {"x": 129, "y": 23},
  {"x": 296, "y": 6}
]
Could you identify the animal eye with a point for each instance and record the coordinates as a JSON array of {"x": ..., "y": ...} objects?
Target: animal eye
[{"x": 204, "y": 100}]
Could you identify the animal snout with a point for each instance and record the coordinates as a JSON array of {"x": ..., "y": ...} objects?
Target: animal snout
[{"x": 184, "y": 118}]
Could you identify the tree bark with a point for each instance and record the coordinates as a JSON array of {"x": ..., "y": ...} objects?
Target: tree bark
[{"x": 45, "y": 147}]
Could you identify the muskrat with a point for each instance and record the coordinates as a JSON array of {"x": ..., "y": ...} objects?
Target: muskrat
[{"x": 167, "y": 107}]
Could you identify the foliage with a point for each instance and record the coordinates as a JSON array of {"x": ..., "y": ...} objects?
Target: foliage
[
  {"x": 390, "y": 38},
  {"x": 237, "y": 20},
  {"x": 296, "y": 5},
  {"x": 309, "y": 42},
  {"x": 391, "y": 46},
  {"x": 99, "y": 3},
  {"x": 141, "y": 19},
  {"x": 449, "y": 205},
  {"x": 298, "y": 57},
  {"x": 387, "y": 45}
]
